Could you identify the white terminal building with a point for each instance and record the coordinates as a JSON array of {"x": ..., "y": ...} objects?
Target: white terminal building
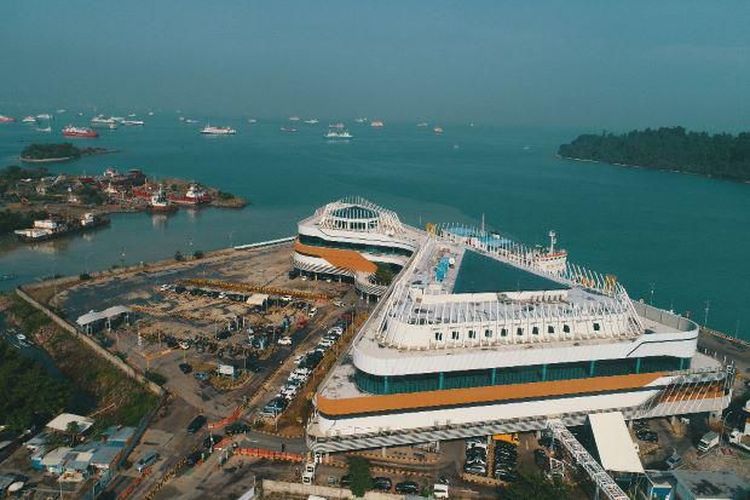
[{"x": 478, "y": 334}]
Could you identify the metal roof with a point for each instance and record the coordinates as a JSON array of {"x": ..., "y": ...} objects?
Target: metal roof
[
  {"x": 616, "y": 448},
  {"x": 60, "y": 422},
  {"x": 93, "y": 316}
]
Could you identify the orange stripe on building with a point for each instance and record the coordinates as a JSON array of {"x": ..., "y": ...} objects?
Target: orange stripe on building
[
  {"x": 344, "y": 259},
  {"x": 487, "y": 394}
]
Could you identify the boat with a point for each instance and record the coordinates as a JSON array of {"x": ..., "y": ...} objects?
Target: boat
[
  {"x": 377, "y": 124},
  {"x": 212, "y": 130},
  {"x": 423, "y": 124},
  {"x": 159, "y": 203},
  {"x": 360, "y": 120},
  {"x": 29, "y": 119},
  {"x": 44, "y": 116},
  {"x": 131, "y": 115},
  {"x": 190, "y": 120},
  {"x": 150, "y": 113},
  {"x": 6, "y": 119},
  {"x": 133, "y": 123},
  {"x": 338, "y": 134},
  {"x": 47, "y": 229},
  {"x": 61, "y": 110},
  {"x": 194, "y": 196},
  {"x": 288, "y": 129},
  {"x": 82, "y": 132},
  {"x": 311, "y": 121},
  {"x": 337, "y": 125},
  {"x": 252, "y": 120},
  {"x": 102, "y": 121},
  {"x": 48, "y": 128},
  {"x": 294, "y": 118},
  {"x": 7, "y": 277},
  {"x": 22, "y": 340},
  {"x": 438, "y": 130}
]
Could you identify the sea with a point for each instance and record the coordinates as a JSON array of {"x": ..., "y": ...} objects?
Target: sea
[{"x": 679, "y": 241}]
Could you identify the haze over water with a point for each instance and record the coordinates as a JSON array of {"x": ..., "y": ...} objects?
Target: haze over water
[{"x": 530, "y": 76}]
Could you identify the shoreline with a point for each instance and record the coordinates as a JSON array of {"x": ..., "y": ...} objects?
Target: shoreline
[
  {"x": 93, "y": 152},
  {"x": 642, "y": 167}
]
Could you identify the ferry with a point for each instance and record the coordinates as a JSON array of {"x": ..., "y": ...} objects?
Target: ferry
[
  {"x": 338, "y": 134},
  {"x": 6, "y": 119},
  {"x": 211, "y": 130},
  {"x": 82, "y": 132},
  {"x": 29, "y": 119},
  {"x": 377, "y": 124}
]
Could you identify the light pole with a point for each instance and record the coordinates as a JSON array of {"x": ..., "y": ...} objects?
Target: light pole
[{"x": 705, "y": 312}]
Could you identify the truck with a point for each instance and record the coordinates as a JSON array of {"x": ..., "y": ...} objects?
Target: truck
[
  {"x": 708, "y": 442},
  {"x": 739, "y": 439}
]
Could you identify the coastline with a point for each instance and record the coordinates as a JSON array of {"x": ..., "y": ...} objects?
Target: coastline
[{"x": 84, "y": 152}]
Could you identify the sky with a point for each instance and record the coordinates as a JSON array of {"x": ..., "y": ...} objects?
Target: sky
[{"x": 583, "y": 63}]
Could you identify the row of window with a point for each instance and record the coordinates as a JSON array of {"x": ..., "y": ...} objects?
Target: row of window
[
  {"x": 516, "y": 375},
  {"x": 472, "y": 334},
  {"x": 359, "y": 247}
]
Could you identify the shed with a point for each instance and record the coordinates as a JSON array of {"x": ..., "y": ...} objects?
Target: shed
[
  {"x": 105, "y": 457},
  {"x": 617, "y": 452},
  {"x": 92, "y": 318},
  {"x": 60, "y": 423},
  {"x": 54, "y": 461},
  {"x": 257, "y": 299}
]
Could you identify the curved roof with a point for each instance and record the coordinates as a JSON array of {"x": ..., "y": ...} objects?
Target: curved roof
[{"x": 360, "y": 215}]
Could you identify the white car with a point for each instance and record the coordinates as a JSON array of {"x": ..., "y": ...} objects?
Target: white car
[
  {"x": 326, "y": 342},
  {"x": 284, "y": 341},
  {"x": 336, "y": 330},
  {"x": 286, "y": 298}
]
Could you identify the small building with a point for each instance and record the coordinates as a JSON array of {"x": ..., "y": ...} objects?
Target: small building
[
  {"x": 37, "y": 442},
  {"x": 60, "y": 423},
  {"x": 257, "y": 300},
  {"x": 713, "y": 485},
  {"x": 105, "y": 457},
  {"x": 37, "y": 456},
  {"x": 54, "y": 461},
  {"x": 657, "y": 486},
  {"x": 119, "y": 436}
]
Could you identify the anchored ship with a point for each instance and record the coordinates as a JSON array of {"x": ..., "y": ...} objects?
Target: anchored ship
[
  {"x": 212, "y": 130},
  {"x": 80, "y": 132}
]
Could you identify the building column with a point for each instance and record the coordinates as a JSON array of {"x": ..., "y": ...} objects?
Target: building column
[
  {"x": 544, "y": 372},
  {"x": 637, "y": 365},
  {"x": 592, "y": 368},
  {"x": 493, "y": 376},
  {"x": 441, "y": 380},
  {"x": 385, "y": 384}
]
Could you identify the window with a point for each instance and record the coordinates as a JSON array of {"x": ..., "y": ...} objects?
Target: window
[
  {"x": 535, "y": 330},
  {"x": 504, "y": 332},
  {"x": 566, "y": 328},
  {"x": 597, "y": 327},
  {"x": 550, "y": 329},
  {"x": 488, "y": 333},
  {"x": 454, "y": 335},
  {"x": 438, "y": 336},
  {"x": 519, "y": 331},
  {"x": 472, "y": 334}
]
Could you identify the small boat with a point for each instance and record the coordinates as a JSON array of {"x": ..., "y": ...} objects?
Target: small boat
[
  {"x": 131, "y": 115},
  {"x": 83, "y": 132},
  {"x": 159, "y": 203},
  {"x": 438, "y": 130},
  {"x": 29, "y": 119},
  {"x": 311, "y": 121},
  {"x": 423, "y": 124},
  {"x": 48, "y": 128},
  {"x": 294, "y": 118},
  {"x": 7, "y": 277},
  {"x": 133, "y": 123},
  {"x": 252, "y": 120},
  {"x": 61, "y": 110},
  {"x": 44, "y": 116},
  {"x": 212, "y": 130},
  {"x": 22, "y": 340},
  {"x": 377, "y": 124},
  {"x": 102, "y": 121},
  {"x": 360, "y": 120},
  {"x": 150, "y": 113},
  {"x": 6, "y": 119},
  {"x": 288, "y": 129},
  {"x": 190, "y": 120}
]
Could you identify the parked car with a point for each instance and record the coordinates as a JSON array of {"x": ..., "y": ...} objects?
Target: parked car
[
  {"x": 382, "y": 483},
  {"x": 236, "y": 428},
  {"x": 201, "y": 376},
  {"x": 408, "y": 487},
  {"x": 186, "y": 368},
  {"x": 284, "y": 341}
]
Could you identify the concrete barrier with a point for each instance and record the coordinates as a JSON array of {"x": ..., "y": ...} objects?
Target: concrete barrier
[
  {"x": 91, "y": 343},
  {"x": 299, "y": 489}
]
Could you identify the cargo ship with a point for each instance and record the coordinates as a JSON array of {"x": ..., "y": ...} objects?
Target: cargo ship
[
  {"x": 159, "y": 203},
  {"x": 81, "y": 132}
]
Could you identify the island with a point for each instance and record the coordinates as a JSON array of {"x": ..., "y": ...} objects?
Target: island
[
  {"x": 724, "y": 156},
  {"x": 50, "y": 153},
  {"x": 37, "y": 205}
]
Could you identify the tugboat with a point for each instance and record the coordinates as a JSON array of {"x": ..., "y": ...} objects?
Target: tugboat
[{"x": 159, "y": 203}]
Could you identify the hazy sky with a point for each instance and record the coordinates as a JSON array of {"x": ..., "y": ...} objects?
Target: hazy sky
[{"x": 571, "y": 62}]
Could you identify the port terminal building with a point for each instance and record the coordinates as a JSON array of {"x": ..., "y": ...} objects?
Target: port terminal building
[{"x": 477, "y": 334}]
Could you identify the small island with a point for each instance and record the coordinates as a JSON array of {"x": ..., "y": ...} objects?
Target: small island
[
  {"x": 51, "y": 153},
  {"x": 724, "y": 156}
]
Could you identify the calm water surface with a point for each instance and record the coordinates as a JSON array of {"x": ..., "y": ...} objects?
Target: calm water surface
[{"x": 685, "y": 237}]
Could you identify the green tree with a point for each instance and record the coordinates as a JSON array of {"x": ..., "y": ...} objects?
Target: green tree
[
  {"x": 536, "y": 486},
  {"x": 384, "y": 274},
  {"x": 359, "y": 471}
]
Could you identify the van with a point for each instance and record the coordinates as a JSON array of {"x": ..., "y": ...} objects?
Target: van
[
  {"x": 440, "y": 490},
  {"x": 146, "y": 460},
  {"x": 708, "y": 441}
]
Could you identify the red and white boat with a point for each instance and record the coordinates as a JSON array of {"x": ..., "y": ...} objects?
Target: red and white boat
[
  {"x": 83, "y": 132},
  {"x": 194, "y": 196},
  {"x": 6, "y": 119}
]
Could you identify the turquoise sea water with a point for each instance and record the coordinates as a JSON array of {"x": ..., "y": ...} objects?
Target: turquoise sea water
[{"x": 686, "y": 237}]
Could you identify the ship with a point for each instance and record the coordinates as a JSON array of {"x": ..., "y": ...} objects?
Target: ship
[
  {"x": 312, "y": 121},
  {"x": 288, "y": 129},
  {"x": 47, "y": 229},
  {"x": 44, "y": 116},
  {"x": 6, "y": 119},
  {"x": 294, "y": 118},
  {"x": 213, "y": 130},
  {"x": 478, "y": 334},
  {"x": 80, "y": 132},
  {"x": 194, "y": 196},
  {"x": 133, "y": 123},
  {"x": 159, "y": 202},
  {"x": 423, "y": 124},
  {"x": 337, "y": 125},
  {"x": 438, "y": 130},
  {"x": 377, "y": 124},
  {"x": 338, "y": 134},
  {"x": 360, "y": 120},
  {"x": 252, "y": 121},
  {"x": 104, "y": 122},
  {"x": 29, "y": 119}
]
